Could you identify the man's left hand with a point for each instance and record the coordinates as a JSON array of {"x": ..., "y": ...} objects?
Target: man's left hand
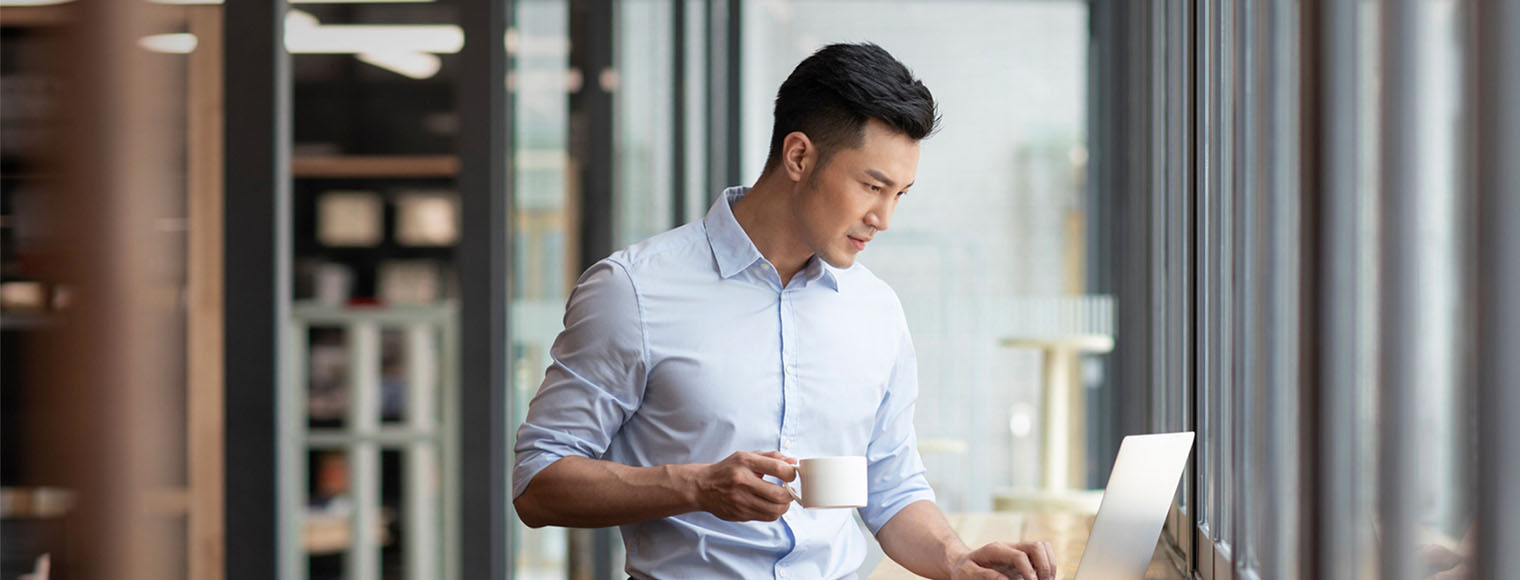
[{"x": 1007, "y": 561}]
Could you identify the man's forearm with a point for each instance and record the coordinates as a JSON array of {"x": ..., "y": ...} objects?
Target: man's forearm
[
  {"x": 579, "y": 492},
  {"x": 921, "y": 540}
]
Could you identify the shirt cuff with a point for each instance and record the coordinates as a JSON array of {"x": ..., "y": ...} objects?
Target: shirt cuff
[
  {"x": 529, "y": 464},
  {"x": 876, "y": 516}
]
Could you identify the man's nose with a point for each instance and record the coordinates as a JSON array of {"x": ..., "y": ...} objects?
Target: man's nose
[{"x": 880, "y": 217}]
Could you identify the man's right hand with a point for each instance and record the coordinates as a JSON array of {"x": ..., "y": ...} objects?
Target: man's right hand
[{"x": 733, "y": 489}]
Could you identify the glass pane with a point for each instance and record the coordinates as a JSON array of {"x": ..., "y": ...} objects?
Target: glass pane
[
  {"x": 543, "y": 267},
  {"x": 1443, "y": 513},
  {"x": 697, "y": 196},
  {"x": 1011, "y": 81},
  {"x": 327, "y": 378},
  {"x": 644, "y": 116},
  {"x": 326, "y": 525},
  {"x": 394, "y": 367},
  {"x": 1362, "y": 431}
]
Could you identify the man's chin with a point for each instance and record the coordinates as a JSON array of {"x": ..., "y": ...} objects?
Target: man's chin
[{"x": 840, "y": 262}]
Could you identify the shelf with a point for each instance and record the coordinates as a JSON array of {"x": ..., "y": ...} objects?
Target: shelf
[
  {"x": 385, "y": 437},
  {"x": 371, "y": 166},
  {"x": 35, "y": 16},
  {"x": 11, "y": 320}
]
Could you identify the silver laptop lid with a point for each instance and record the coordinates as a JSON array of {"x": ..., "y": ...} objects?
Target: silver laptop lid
[{"x": 1135, "y": 505}]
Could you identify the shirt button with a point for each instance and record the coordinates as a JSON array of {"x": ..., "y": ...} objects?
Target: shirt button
[
  {"x": 791, "y": 370},
  {"x": 786, "y": 443},
  {"x": 781, "y": 573},
  {"x": 765, "y": 266}
]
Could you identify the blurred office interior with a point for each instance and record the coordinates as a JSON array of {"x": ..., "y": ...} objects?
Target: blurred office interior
[{"x": 280, "y": 278}]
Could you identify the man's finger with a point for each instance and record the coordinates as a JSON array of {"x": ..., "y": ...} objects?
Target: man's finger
[
  {"x": 765, "y": 491},
  {"x": 1040, "y": 558},
  {"x": 1050, "y": 556},
  {"x": 1025, "y": 567},
  {"x": 1011, "y": 558},
  {"x": 770, "y": 492},
  {"x": 759, "y": 508},
  {"x": 763, "y": 464},
  {"x": 779, "y": 455}
]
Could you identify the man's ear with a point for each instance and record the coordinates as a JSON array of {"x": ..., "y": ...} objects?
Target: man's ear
[{"x": 798, "y": 155}]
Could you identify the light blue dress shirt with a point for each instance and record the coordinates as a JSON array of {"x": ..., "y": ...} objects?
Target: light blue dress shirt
[{"x": 685, "y": 348}]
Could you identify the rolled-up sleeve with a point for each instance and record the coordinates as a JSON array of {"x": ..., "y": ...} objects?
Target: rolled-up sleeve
[
  {"x": 895, "y": 469},
  {"x": 595, "y": 379}
]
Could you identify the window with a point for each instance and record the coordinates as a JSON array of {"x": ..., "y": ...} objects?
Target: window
[{"x": 1326, "y": 261}]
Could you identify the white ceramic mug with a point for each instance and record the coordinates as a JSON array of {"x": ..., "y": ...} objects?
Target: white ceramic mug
[{"x": 832, "y": 482}]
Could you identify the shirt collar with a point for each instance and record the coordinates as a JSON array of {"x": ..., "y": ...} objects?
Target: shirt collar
[{"x": 735, "y": 252}]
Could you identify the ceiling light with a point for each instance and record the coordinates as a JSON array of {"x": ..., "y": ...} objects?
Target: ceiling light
[
  {"x": 172, "y": 43},
  {"x": 206, "y": 2},
  {"x": 304, "y": 34},
  {"x": 417, "y": 65},
  {"x": 300, "y": 20},
  {"x": 407, "y": 50},
  {"x": 346, "y": 38}
]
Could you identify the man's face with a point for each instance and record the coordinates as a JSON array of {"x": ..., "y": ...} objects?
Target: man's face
[{"x": 851, "y": 198}]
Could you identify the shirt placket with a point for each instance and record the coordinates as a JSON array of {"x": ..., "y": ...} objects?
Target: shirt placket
[{"x": 790, "y": 399}]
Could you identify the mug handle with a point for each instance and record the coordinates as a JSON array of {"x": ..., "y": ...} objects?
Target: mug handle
[{"x": 792, "y": 489}]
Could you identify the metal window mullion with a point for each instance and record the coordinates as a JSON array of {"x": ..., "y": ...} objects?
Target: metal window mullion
[
  {"x": 1203, "y": 251},
  {"x": 420, "y": 495},
  {"x": 1337, "y": 43},
  {"x": 1253, "y": 415},
  {"x": 719, "y": 140},
  {"x": 1229, "y": 300},
  {"x": 292, "y": 453},
  {"x": 1176, "y": 152},
  {"x": 1398, "y": 303},
  {"x": 1186, "y": 31},
  {"x": 697, "y": 183},
  {"x": 1281, "y": 558},
  {"x": 1168, "y": 203},
  {"x": 363, "y": 556},
  {"x": 734, "y": 92},
  {"x": 1136, "y": 138},
  {"x": 1206, "y": 192},
  {"x": 1217, "y": 273},
  {"x": 1219, "y": 287},
  {"x": 449, "y": 377},
  {"x": 480, "y": 537},
  {"x": 1493, "y": 89},
  {"x": 1159, "y": 266},
  {"x": 678, "y": 109},
  {"x": 1170, "y": 96},
  {"x": 256, "y": 236}
]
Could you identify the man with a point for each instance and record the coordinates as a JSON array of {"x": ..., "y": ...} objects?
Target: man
[{"x": 754, "y": 329}]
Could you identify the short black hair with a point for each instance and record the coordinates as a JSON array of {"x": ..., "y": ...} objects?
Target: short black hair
[{"x": 831, "y": 94}]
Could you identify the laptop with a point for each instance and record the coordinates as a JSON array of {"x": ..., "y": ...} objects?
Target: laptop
[{"x": 1135, "y": 505}]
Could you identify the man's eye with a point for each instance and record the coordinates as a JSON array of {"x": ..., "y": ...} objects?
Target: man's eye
[
  {"x": 874, "y": 188},
  {"x": 902, "y": 193}
]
